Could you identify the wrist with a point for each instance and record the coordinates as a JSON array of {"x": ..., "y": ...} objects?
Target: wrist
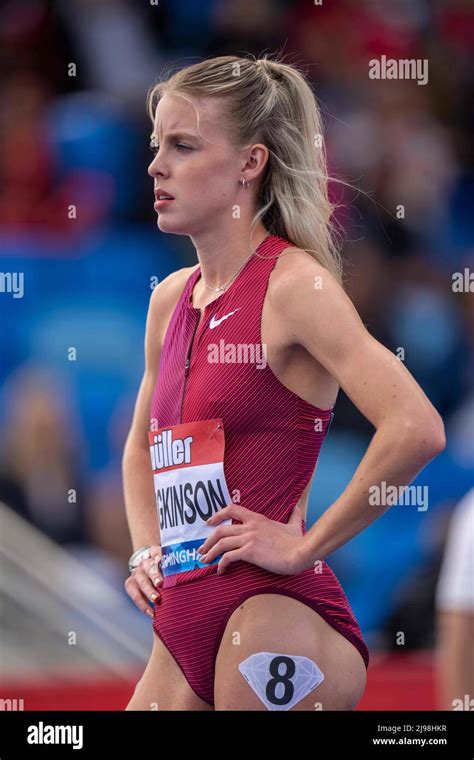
[
  {"x": 306, "y": 554},
  {"x": 138, "y": 555},
  {"x": 300, "y": 561}
]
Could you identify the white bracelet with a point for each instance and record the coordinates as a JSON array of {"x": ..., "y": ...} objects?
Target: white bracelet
[{"x": 137, "y": 556}]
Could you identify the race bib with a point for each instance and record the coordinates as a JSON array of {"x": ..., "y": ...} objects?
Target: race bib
[{"x": 188, "y": 473}]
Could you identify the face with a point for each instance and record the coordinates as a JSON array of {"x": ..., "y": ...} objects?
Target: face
[{"x": 201, "y": 169}]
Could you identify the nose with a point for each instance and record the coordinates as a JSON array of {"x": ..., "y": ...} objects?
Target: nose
[{"x": 154, "y": 168}]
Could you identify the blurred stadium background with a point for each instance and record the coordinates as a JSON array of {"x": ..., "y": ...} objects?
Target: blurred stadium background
[{"x": 74, "y": 130}]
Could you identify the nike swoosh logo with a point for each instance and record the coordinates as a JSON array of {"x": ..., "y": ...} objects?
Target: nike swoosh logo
[{"x": 214, "y": 322}]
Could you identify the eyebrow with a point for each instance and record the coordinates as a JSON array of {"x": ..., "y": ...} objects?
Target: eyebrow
[{"x": 180, "y": 135}]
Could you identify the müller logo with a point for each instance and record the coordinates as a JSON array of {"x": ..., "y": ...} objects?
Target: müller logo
[{"x": 166, "y": 452}]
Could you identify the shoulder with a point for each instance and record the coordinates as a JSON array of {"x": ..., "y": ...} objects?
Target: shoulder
[
  {"x": 167, "y": 292},
  {"x": 297, "y": 275},
  {"x": 163, "y": 300},
  {"x": 311, "y": 304}
]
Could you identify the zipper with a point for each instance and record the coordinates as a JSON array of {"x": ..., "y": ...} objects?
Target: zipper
[
  {"x": 187, "y": 365},
  {"x": 329, "y": 425}
]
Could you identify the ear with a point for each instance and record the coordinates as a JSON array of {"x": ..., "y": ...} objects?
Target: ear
[{"x": 256, "y": 159}]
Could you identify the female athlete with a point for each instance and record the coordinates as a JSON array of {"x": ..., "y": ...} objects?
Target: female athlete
[{"x": 245, "y": 353}]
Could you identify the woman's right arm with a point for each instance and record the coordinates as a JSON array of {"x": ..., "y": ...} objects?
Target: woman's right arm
[{"x": 139, "y": 496}]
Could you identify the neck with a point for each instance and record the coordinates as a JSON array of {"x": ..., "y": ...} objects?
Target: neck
[{"x": 220, "y": 254}]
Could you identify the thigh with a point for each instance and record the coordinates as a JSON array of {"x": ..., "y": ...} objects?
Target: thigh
[
  {"x": 163, "y": 685},
  {"x": 280, "y": 624}
]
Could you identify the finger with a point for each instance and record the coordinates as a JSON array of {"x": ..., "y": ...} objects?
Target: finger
[
  {"x": 224, "y": 545},
  {"x": 137, "y": 597},
  {"x": 222, "y": 532},
  {"x": 236, "y": 511},
  {"x": 229, "y": 557},
  {"x": 152, "y": 568},
  {"x": 145, "y": 585}
]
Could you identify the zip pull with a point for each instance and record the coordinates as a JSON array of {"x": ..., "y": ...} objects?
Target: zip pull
[
  {"x": 186, "y": 366},
  {"x": 329, "y": 424}
]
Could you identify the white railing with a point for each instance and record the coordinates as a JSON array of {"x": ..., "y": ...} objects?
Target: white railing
[{"x": 65, "y": 597}]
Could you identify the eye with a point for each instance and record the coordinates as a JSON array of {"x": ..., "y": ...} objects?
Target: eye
[{"x": 179, "y": 147}]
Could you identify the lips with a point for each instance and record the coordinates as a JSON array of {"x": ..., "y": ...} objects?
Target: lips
[{"x": 159, "y": 191}]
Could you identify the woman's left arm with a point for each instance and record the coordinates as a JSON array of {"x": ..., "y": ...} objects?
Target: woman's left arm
[
  {"x": 318, "y": 315},
  {"x": 409, "y": 431}
]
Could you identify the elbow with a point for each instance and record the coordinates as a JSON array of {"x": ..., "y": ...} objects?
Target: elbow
[
  {"x": 440, "y": 439},
  {"x": 426, "y": 437},
  {"x": 436, "y": 437}
]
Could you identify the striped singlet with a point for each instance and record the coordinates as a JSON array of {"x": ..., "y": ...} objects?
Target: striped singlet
[{"x": 272, "y": 443}]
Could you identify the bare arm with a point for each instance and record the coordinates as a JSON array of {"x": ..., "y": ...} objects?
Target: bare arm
[
  {"x": 409, "y": 430},
  {"x": 144, "y": 581},
  {"x": 138, "y": 480},
  {"x": 136, "y": 464}
]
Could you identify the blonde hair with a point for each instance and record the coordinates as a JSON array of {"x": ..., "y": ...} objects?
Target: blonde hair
[{"x": 271, "y": 102}]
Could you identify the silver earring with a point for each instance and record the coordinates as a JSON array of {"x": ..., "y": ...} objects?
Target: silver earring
[{"x": 244, "y": 183}]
